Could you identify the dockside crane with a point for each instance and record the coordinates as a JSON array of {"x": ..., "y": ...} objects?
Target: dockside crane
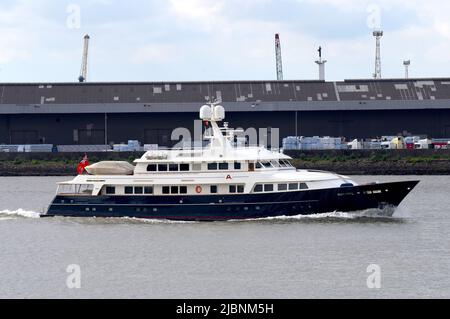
[
  {"x": 84, "y": 64},
  {"x": 279, "y": 62}
]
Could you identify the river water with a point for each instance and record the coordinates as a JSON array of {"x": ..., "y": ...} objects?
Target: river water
[{"x": 325, "y": 256}]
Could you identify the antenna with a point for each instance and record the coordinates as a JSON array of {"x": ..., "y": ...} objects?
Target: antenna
[
  {"x": 321, "y": 64},
  {"x": 279, "y": 62},
  {"x": 378, "y": 34},
  {"x": 84, "y": 63},
  {"x": 407, "y": 64}
]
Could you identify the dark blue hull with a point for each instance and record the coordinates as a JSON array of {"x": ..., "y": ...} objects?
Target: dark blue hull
[{"x": 245, "y": 206}]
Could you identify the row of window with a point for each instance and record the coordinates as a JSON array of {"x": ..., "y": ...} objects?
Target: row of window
[
  {"x": 168, "y": 168},
  {"x": 213, "y": 189},
  {"x": 273, "y": 164},
  {"x": 223, "y": 166},
  {"x": 174, "y": 190},
  {"x": 170, "y": 190},
  {"x": 259, "y": 188},
  {"x": 216, "y": 166},
  {"x": 129, "y": 190}
]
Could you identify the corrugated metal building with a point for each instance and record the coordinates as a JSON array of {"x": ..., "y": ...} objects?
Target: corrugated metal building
[{"x": 74, "y": 113}]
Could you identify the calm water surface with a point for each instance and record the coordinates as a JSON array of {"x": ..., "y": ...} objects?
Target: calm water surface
[{"x": 324, "y": 256}]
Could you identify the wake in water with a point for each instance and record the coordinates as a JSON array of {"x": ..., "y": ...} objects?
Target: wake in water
[
  {"x": 385, "y": 214},
  {"x": 367, "y": 215},
  {"x": 11, "y": 214}
]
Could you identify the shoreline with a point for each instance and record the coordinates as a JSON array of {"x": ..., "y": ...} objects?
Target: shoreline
[{"x": 346, "y": 162}]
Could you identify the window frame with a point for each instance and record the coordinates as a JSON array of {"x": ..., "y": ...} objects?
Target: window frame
[
  {"x": 163, "y": 165},
  {"x": 109, "y": 188},
  {"x": 151, "y": 188},
  {"x": 185, "y": 168},
  {"x": 128, "y": 190},
  {"x": 183, "y": 190},
  {"x": 174, "y": 190},
  {"x": 257, "y": 187},
  {"x": 213, "y": 166},
  {"x": 165, "y": 190},
  {"x": 303, "y": 186}
]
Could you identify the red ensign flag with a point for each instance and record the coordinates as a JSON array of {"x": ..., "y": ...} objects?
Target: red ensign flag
[{"x": 83, "y": 164}]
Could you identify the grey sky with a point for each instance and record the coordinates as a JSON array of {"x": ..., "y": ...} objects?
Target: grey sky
[{"x": 177, "y": 40}]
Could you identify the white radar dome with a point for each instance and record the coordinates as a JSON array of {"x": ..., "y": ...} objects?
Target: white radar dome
[
  {"x": 219, "y": 113},
  {"x": 205, "y": 112}
]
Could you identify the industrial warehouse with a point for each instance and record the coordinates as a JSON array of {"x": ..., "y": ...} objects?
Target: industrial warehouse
[
  {"x": 110, "y": 113},
  {"x": 73, "y": 116}
]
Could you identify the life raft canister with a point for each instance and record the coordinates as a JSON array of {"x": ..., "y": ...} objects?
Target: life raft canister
[{"x": 198, "y": 189}]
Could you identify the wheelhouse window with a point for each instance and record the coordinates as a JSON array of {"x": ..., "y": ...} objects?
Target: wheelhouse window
[
  {"x": 275, "y": 163},
  {"x": 259, "y": 165},
  {"x": 173, "y": 168},
  {"x": 110, "y": 190},
  {"x": 267, "y": 165},
  {"x": 268, "y": 187},
  {"x": 152, "y": 168},
  {"x": 293, "y": 186},
  {"x": 286, "y": 163}
]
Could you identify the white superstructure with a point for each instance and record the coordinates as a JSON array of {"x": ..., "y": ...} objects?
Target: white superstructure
[{"x": 219, "y": 168}]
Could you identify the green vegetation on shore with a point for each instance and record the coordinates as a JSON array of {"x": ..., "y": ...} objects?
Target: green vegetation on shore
[{"x": 422, "y": 162}]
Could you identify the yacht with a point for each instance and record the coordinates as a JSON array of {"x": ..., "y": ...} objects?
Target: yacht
[{"x": 221, "y": 181}]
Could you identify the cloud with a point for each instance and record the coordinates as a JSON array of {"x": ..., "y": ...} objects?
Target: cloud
[
  {"x": 155, "y": 53},
  {"x": 220, "y": 39}
]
